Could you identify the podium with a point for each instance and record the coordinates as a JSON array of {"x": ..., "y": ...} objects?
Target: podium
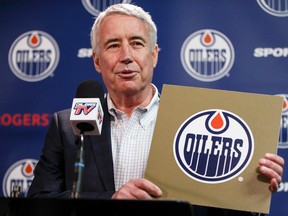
[{"x": 83, "y": 207}]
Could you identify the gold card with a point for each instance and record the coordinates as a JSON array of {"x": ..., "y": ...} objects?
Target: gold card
[{"x": 207, "y": 143}]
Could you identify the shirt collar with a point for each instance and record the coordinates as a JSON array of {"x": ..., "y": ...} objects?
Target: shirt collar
[{"x": 156, "y": 97}]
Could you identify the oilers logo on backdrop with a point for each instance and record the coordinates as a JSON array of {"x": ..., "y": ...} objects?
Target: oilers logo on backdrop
[
  {"x": 274, "y": 7},
  {"x": 96, "y": 6},
  {"x": 19, "y": 174},
  {"x": 283, "y": 136},
  {"x": 34, "y": 56},
  {"x": 207, "y": 55},
  {"x": 213, "y": 146}
]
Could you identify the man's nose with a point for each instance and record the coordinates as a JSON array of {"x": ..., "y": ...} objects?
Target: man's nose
[{"x": 126, "y": 54}]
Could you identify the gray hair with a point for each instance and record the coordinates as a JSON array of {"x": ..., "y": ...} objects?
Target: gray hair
[{"x": 128, "y": 9}]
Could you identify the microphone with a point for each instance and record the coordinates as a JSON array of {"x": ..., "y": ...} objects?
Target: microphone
[
  {"x": 86, "y": 112},
  {"x": 86, "y": 117}
]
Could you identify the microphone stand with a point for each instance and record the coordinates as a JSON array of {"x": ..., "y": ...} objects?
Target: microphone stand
[
  {"x": 78, "y": 169},
  {"x": 79, "y": 164}
]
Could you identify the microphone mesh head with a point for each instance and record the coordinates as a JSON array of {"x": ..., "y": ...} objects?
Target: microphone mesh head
[{"x": 90, "y": 89}]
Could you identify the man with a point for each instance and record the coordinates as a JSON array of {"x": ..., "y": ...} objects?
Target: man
[{"x": 125, "y": 53}]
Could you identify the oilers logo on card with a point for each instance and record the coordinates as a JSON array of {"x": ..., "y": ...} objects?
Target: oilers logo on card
[
  {"x": 207, "y": 55},
  {"x": 283, "y": 136},
  {"x": 213, "y": 146},
  {"x": 19, "y": 174},
  {"x": 34, "y": 56}
]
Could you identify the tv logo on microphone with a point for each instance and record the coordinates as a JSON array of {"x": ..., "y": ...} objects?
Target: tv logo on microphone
[
  {"x": 213, "y": 146},
  {"x": 87, "y": 111},
  {"x": 84, "y": 108}
]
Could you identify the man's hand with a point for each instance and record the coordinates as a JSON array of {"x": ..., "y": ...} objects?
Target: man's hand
[
  {"x": 272, "y": 167},
  {"x": 141, "y": 189}
]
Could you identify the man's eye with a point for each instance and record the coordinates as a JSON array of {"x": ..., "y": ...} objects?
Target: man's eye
[
  {"x": 137, "y": 43},
  {"x": 112, "y": 46}
]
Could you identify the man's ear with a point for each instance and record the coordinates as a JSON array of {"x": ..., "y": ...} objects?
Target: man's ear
[
  {"x": 96, "y": 63},
  {"x": 155, "y": 55}
]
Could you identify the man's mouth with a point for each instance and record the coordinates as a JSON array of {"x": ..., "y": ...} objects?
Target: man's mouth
[{"x": 127, "y": 74}]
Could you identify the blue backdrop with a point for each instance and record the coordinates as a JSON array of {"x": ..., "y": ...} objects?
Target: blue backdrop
[{"x": 45, "y": 53}]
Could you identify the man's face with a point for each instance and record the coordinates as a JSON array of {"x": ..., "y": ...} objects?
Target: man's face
[{"x": 126, "y": 59}]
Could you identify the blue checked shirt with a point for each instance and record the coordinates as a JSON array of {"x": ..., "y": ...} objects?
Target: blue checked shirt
[{"x": 131, "y": 139}]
